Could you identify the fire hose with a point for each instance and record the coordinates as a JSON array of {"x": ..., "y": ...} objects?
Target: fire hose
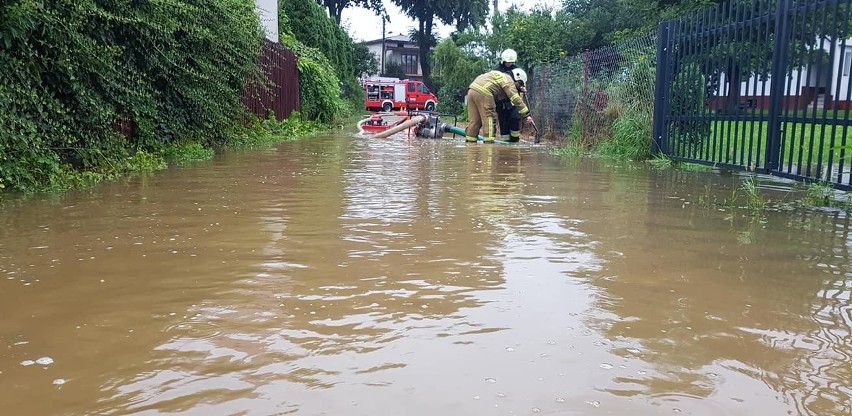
[{"x": 428, "y": 125}]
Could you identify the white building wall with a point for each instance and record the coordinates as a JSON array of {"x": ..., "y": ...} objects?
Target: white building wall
[
  {"x": 793, "y": 82},
  {"x": 268, "y": 11},
  {"x": 843, "y": 68}
]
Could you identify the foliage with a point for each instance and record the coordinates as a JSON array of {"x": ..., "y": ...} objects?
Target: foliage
[
  {"x": 336, "y": 7},
  {"x": 263, "y": 132},
  {"x": 454, "y": 71},
  {"x": 364, "y": 62},
  {"x": 187, "y": 151},
  {"x": 74, "y": 73},
  {"x": 538, "y": 35},
  {"x": 754, "y": 200},
  {"x": 569, "y": 149},
  {"x": 394, "y": 70},
  {"x": 462, "y": 13},
  {"x": 631, "y": 134},
  {"x": 635, "y": 79},
  {"x": 822, "y": 194},
  {"x": 818, "y": 194},
  {"x": 320, "y": 92},
  {"x": 144, "y": 161},
  {"x": 661, "y": 161},
  {"x": 309, "y": 24},
  {"x": 736, "y": 52},
  {"x": 329, "y": 62},
  {"x": 598, "y": 23},
  {"x": 688, "y": 100}
]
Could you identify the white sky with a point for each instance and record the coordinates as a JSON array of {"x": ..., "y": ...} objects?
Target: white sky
[{"x": 363, "y": 25}]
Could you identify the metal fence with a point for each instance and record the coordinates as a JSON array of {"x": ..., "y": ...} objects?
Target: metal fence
[
  {"x": 760, "y": 85},
  {"x": 582, "y": 96},
  {"x": 278, "y": 88}
]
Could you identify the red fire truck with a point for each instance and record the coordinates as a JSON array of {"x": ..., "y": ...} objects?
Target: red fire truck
[{"x": 390, "y": 94}]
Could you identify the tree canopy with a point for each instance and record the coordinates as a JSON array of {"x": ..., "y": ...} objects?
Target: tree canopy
[
  {"x": 335, "y": 7},
  {"x": 461, "y": 13}
]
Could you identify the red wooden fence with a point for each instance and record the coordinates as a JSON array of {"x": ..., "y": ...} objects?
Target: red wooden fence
[{"x": 279, "y": 92}]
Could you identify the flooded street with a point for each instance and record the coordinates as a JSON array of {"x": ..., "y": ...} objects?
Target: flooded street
[{"x": 340, "y": 276}]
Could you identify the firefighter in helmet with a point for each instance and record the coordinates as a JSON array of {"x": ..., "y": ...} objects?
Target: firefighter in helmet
[
  {"x": 482, "y": 95},
  {"x": 507, "y": 114}
]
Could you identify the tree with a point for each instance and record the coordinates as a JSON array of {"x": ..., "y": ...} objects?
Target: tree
[
  {"x": 364, "y": 61},
  {"x": 317, "y": 30},
  {"x": 335, "y": 7},
  {"x": 538, "y": 35},
  {"x": 733, "y": 50},
  {"x": 454, "y": 70},
  {"x": 462, "y": 13},
  {"x": 600, "y": 22},
  {"x": 393, "y": 70}
]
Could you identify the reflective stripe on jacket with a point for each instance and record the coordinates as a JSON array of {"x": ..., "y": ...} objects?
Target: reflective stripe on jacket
[{"x": 498, "y": 85}]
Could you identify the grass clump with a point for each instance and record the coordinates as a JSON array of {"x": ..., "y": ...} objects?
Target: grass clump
[{"x": 631, "y": 132}]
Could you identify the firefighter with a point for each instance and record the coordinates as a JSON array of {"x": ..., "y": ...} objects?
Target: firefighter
[
  {"x": 507, "y": 114},
  {"x": 482, "y": 94}
]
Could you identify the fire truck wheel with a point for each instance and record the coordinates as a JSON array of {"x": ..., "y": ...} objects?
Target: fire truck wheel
[
  {"x": 387, "y": 107},
  {"x": 430, "y": 107}
]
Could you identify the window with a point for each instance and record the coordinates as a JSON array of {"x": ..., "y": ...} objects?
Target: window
[
  {"x": 422, "y": 88},
  {"x": 847, "y": 62},
  {"x": 409, "y": 63}
]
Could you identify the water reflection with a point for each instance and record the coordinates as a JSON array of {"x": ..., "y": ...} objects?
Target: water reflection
[
  {"x": 340, "y": 276},
  {"x": 711, "y": 310}
]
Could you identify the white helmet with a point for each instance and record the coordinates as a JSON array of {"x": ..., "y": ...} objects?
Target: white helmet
[
  {"x": 519, "y": 75},
  {"x": 509, "y": 55}
]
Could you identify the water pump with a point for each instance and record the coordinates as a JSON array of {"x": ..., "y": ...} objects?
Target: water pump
[{"x": 430, "y": 127}]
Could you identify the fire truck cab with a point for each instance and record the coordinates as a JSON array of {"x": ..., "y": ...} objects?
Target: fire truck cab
[{"x": 394, "y": 94}]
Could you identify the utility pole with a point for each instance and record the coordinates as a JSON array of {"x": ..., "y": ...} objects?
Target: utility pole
[{"x": 382, "y": 72}]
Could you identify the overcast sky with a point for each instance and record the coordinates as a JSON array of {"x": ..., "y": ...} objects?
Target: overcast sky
[{"x": 365, "y": 26}]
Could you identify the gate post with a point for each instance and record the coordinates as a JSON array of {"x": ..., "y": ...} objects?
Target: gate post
[
  {"x": 659, "y": 133},
  {"x": 779, "y": 73}
]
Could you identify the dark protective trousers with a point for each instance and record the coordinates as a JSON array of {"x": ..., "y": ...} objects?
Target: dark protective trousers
[{"x": 509, "y": 119}]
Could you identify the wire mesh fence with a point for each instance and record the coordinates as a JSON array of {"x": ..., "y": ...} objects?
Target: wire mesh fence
[{"x": 583, "y": 97}]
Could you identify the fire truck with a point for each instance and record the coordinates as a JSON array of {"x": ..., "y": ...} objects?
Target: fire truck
[{"x": 389, "y": 94}]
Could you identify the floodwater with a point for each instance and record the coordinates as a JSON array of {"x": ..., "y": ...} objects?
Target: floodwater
[{"x": 340, "y": 276}]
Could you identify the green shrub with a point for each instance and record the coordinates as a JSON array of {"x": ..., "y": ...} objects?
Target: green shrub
[
  {"x": 453, "y": 71},
  {"x": 72, "y": 71},
  {"x": 631, "y": 135},
  {"x": 316, "y": 30},
  {"x": 688, "y": 97},
  {"x": 263, "y": 132},
  {"x": 187, "y": 151}
]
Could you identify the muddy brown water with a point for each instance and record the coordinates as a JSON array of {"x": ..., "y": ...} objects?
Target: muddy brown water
[{"x": 340, "y": 276}]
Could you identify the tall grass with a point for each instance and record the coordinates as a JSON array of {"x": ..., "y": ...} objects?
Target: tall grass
[{"x": 631, "y": 135}]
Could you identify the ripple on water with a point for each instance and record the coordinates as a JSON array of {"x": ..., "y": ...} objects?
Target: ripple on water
[
  {"x": 194, "y": 329},
  {"x": 680, "y": 402}
]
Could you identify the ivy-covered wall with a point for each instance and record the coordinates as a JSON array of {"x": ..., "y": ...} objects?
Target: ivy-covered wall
[
  {"x": 327, "y": 73},
  {"x": 71, "y": 71}
]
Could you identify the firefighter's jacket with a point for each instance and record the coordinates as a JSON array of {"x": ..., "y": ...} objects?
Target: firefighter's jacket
[{"x": 499, "y": 86}]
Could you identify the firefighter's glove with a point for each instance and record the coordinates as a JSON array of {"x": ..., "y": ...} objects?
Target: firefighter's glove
[{"x": 529, "y": 120}]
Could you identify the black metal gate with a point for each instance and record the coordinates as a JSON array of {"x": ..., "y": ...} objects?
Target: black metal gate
[{"x": 760, "y": 85}]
